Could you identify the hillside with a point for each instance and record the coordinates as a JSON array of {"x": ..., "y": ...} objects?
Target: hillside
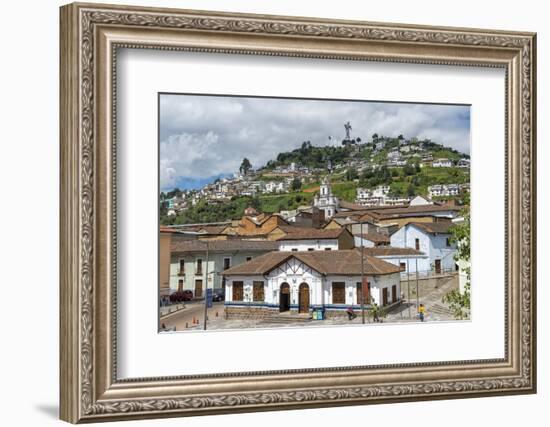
[{"x": 403, "y": 165}]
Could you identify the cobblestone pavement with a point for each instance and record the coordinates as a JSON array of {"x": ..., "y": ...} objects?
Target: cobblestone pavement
[{"x": 430, "y": 294}]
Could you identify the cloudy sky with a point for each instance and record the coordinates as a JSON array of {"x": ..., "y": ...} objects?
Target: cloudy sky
[{"x": 205, "y": 137}]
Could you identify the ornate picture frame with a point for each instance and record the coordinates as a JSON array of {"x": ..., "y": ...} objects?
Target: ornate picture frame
[{"x": 90, "y": 37}]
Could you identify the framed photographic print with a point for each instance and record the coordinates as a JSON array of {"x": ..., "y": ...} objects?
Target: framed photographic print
[{"x": 266, "y": 212}]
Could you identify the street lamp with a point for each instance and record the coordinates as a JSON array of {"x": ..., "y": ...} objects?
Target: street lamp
[{"x": 206, "y": 287}]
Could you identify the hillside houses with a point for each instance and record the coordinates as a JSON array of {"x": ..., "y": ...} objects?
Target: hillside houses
[{"x": 442, "y": 163}]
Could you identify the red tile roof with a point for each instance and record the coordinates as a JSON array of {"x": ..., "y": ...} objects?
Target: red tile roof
[
  {"x": 180, "y": 245},
  {"x": 304, "y": 233},
  {"x": 341, "y": 262}
]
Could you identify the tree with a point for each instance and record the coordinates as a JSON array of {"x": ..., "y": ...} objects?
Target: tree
[
  {"x": 296, "y": 184},
  {"x": 458, "y": 302},
  {"x": 358, "y": 140},
  {"x": 351, "y": 174},
  {"x": 374, "y": 136},
  {"x": 245, "y": 166},
  {"x": 400, "y": 137}
]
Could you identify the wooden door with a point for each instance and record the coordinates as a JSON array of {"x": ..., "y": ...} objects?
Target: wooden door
[
  {"x": 338, "y": 293},
  {"x": 198, "y": 288},
  {"x": 303, "y": 298},
  {"x": 394, "y": 293},
  {"x": 437, "y": 266},
  {"x": 385, "y": 296},
  {"x": 284, "y": 297}
]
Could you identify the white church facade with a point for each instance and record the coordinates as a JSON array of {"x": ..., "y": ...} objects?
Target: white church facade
[
  {"x": 325, "y": 200},
  {"x": 300, "y": 282}
]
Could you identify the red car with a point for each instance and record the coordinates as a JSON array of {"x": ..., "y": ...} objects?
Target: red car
[{"x": 180, "y": 296}]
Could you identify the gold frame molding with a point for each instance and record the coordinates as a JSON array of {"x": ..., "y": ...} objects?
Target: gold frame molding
[{"x": 90, "y": 37}]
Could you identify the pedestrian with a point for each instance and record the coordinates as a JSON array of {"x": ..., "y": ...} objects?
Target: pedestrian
[
  {"x": 421, "y": 312},
  {"x": 375, "y": 310},
  {"x": 351, "y": 313}
]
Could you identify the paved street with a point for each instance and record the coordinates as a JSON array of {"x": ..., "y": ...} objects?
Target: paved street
[
  {"x": 183, "y": 319},
  {"x": 430, "y": 293}
]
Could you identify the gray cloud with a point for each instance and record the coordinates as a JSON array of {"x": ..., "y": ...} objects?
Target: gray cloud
[{"x": 204, "y": 136}]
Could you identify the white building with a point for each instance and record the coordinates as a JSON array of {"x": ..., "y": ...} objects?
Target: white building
[
  {"x": 275, "y": 187},
  {"x": 420, "y": 201},
  {"x": 431, "y": 238},
  {"x": 444, "y": 190},
  {"x": 303, "y": 281},
  {"x": 406, "y": 258},
  {"x": 325, "y": 200},
  {"x": 442, "y": 163},
  {"x": 463, "y": 163},
  {"x": 312, "y": 239}
]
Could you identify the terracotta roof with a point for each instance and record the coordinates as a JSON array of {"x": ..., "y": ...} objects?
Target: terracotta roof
[
  {"x": 193, "y": 245},
  {"x": 375, "y": 237},
  {"x": 213, "y": 229},
  {"x": 391, "y": 251},
  {"x": 386, "y": 212},
  {"x": 341, "y": 262},
  {"x": 304, "y": 233},
  {"x": 433, "y": 227}
]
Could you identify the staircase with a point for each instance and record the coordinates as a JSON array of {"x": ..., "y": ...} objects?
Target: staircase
[
  {"x": 286, "y": 317},
  {"x": 441, "y": 310}
]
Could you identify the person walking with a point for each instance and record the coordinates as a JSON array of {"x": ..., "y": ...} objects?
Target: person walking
[
  {"x": 375, "y": 313},
  {"x": 351, "y": 313},
  {"x": 421, "y": 312}
]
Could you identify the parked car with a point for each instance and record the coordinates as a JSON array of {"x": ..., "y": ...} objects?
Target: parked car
[
  {"x": 180, "y": 296},
  {"x": 219, "y": 295}
]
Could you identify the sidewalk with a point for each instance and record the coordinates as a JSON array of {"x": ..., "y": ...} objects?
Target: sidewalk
[{"x": 170, "y": 309}]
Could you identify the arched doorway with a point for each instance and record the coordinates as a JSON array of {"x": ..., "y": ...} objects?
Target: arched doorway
[
  {"x": 303, "y": 298},
  {"x": 284, "y": 297}
]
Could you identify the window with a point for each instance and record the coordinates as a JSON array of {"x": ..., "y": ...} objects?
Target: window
[
  {"x": 180, "y": 285},
  {"x": 258, "y": 290},
  {"x": 448, "y": 242},
  {"x": 294, "y": 250},
  {"x": 237, "y": 291},
  {"x": 327, "y": 249},
  {"x": 198, "y": 269},
  {"x": 248, "y": 258},
  {"x": 338, "y": 293},
  {"x": 403, "y": 266},
  {"x": 417, "y": 244},
  {"x": 226, "y": 263},
  {"x": 310, "y": 249},
  {"x": 182, "y": 267}
]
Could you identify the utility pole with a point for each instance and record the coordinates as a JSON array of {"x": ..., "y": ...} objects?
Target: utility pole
[
  {"x": 417, "y": 294},
  {"x": 409, "y": 288},
  {"x": 362, "y": 275},
  {"x": 206, "y": 289}
]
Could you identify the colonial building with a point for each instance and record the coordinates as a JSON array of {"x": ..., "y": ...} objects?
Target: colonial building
[
  {"x": 325, "y": 200},
  {"x": 303, "y": 281},
  {"x": 165, "y": 243},
  {"x": 431, "y": 238},
  {"x": 194, "y": 263},
  {"x": 254, "y": 223}
]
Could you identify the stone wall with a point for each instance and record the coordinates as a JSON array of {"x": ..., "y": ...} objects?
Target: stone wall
[{"x": 248, "y": 312}]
